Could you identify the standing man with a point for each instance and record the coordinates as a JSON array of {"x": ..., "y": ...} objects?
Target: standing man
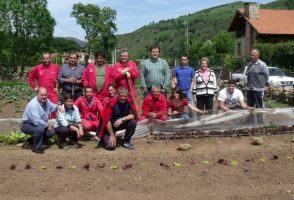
[
  {"x": 231, "y": 98},
  {"x": 183, "y": 79},
  {"x": 90, "y": 109},
  {"x": 124, "y": 74},
  {"x": 257, "y": 76},
  {"x": 70, "y": 77},
  {"x": 35, "y": 120},
  {"x": 154, "y": 71},
  {"x": 46, "y": 75},
  {"x": 98, "y": 76},
  {"x": 118, "y": 115}
]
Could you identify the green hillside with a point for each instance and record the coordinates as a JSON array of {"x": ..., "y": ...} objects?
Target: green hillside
[{"x": 170, "y": 34}]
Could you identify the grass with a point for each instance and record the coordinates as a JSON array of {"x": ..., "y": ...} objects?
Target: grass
[{"x": 275, "y": 104}]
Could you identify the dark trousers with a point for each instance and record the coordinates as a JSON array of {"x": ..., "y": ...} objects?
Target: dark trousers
[
  {"x": 39, "y": 134},
  {"x": 130, "y": 127},
  {"x": 255, "y": 98},
  {"x": 64, "y": 132},
  {"x": 205, "y": 101},
  {"x": 76, "y": 95}
]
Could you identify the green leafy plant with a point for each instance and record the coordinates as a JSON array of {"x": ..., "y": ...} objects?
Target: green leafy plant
[{"x": 14, "y": 137}]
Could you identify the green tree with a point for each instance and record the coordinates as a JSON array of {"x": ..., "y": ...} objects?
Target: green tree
[
  {"x": 98, "y": 24},
  {"x": 29, "y": 27},
  {"x": 224, "y": 43}
]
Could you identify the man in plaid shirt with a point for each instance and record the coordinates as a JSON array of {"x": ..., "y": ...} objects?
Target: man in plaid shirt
[{"x": 154, "y": 71}]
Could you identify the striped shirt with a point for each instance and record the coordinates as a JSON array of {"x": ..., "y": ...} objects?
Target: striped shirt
[
  {"x": 154, "y": 72},
  {"x": 203, "y": 88}
]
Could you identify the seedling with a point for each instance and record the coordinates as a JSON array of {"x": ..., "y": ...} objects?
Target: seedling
[
  {"x": 222, "y": 161},
  {"x": 164, "y": 165},
  {"x": 114, "y": 167},
  {"x": 274, "y": 157},
  {"x": 28, "y": 166},
  {"x": 127, "y": 166},
  {"x": 59, "y": 167},
  {"x": 42, "y": 167},
  {"x": 205, "y": 162},
  {"x": 289, "y": 157},
  {"x": 72, "y": 167},
  {"x": 100, "y": 165},
  {"x": 177, "y": 164},
  {"x": 249, "y": 160},
  {"x": 86, "y": 167},
  {"x": 234, "y": 163},
  {"x": 263, "y": 160},
  {"x": 12, "y": 166}
]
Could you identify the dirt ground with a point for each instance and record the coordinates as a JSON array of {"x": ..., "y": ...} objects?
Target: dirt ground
[{"x": 257, "y": 172}]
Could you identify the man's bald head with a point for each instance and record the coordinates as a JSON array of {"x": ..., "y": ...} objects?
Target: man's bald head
[
  {"x": 42, "y": 95},
  {"x": 254, "y": 55}
]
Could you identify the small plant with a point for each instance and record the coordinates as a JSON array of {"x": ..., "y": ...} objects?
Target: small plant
[
  {"x": 14, "y": 137},
  {"x": 28, "y": 166},
  {"x": 12, "y": 166}
]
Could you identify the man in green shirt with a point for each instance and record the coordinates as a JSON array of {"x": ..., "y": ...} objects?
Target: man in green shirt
[{"x": 154, "y": 71}]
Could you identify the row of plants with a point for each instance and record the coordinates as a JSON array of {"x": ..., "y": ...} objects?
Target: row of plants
[{"x": 15, "y": 92}]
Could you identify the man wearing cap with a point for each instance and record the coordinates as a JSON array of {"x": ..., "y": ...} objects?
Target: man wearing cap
[{"x": 118, "y": 115}]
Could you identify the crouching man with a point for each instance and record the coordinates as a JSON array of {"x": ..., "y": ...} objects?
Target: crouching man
[
  {"x": 35, "y": 120},
  {"x": 231, "y": 98},
  {"x": 119, "y": 114}
]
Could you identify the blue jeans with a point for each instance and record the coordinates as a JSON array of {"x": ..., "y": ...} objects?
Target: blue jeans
[
  {"x": 180, "y": 115},
  {"x": 39, "y": 133},
  {"x": 189, "y": 96}
]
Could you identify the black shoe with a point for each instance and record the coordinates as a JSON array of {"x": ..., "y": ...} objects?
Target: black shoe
[
  {"x": 75, "y": 145},
  {"x": 26, "y": 145},
  {"x": 30, "y": 140},
  {"x": 63, "y": 146},
  {"x": 38, "y": 151}
]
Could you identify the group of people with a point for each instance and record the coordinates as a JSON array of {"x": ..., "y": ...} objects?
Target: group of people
[{"x": 102, "y": 99}]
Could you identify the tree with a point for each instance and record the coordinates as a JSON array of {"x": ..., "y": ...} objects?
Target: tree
[
  {"x": 29, "y": 27},
  {"x": 98, "y": 24},
  {"x": 224, "y": 43}
]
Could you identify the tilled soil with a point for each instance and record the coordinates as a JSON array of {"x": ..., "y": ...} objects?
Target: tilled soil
[{"x": 214, "y": 168}]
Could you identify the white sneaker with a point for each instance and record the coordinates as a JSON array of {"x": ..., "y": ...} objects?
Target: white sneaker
[
  {"x": 120, "y": 133},
  {"x": 92, "y": 133}
]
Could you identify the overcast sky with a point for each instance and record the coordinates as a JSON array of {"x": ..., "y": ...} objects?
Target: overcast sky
[{"x": 131, "y": 14}]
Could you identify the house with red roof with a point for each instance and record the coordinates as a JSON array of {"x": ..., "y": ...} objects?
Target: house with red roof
[{"x": 252, "y": 24}]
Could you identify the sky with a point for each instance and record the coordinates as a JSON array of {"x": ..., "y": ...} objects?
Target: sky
[{"x": 131, "y": 14}]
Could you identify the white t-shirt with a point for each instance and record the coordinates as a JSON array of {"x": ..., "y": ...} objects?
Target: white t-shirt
[{"x": 231, "y": 100}]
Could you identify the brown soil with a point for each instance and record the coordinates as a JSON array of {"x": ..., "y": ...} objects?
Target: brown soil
[{"x": 150, "y": 172}]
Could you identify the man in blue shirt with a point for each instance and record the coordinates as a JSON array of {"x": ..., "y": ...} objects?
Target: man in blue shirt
[
  {"x": 35, "y": 120},
  {"x": 183, "y": 79}
]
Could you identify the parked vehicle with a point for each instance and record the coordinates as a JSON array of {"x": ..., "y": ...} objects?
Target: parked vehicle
[{"x": 276, "y": 77}]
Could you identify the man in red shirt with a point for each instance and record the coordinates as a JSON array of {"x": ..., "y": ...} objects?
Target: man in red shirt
[
  {"x": 124, "y": 74},
  {"x": 90, "y": 109},
  {"x": 97, "y": 76},
  {"x": 154, "y": 105},
  {"x": 46, "y": 75}
]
